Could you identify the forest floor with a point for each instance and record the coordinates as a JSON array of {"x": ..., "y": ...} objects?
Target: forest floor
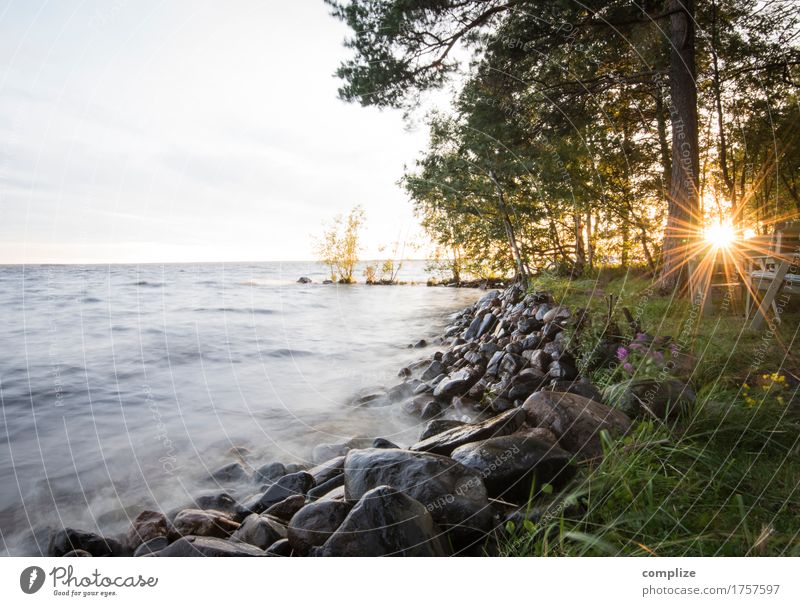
[{"x": 721, "y": 479}]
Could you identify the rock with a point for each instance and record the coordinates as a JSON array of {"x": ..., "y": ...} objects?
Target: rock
[
  {"x": 434, "y": 369},
  {"x": 375, "y": 399},
  {"x": 386, "y": 522},
  {"x": 422, "y": 388},
  {"x": 404, "y": 372},
  {"x": 289, "y": 485},
  {"x": 501, "y": 404},
  {"x": 454, "y": 495},
  {"x": 326, "y": 487},
  {"x": 581, "y": 387},
  {"x": 303, "y": 280},
  {"x": 576, "y": 421},
  {"x": 151, "y": 546},
  {"x": 444, "y": 443},
  {"x": 280, "y": 548},
  {"x": 510, "y": 365},
  {"x": 541, "y": 311},
  {"x": 193, "y": 546},
  {"x": 455, "y": 384},
  {"x": 70, "y": 539},
  {"x": 493, "y": 367},
  {"x": 383, "y": 443},
  {"x": 431, "y": 410},
  {"x": 550, "y": 331},
  {"x": 284, "y": 510},
  {"x": 147, "y": 525},
  {"x": 511, "y": 465},
  {"x": 415, "y": 406},
  {"x": 260, "y": 530},
  {"x": 537, "y": 358},
  {"x": 420, "y": 344},
  {"x": 232, "y": 472},
  {"x": 473, "y": 328},
  {"x": 562, "y": 370},
  {"x": 295, "y": 467},
  {"x": 556, "y": 314},
  {"x": 554, "y": 349},
  {"x": 327, "y": 470},
  {"x": 487, "y": 323},
  {"x": 438, "y": 426},
  {"x": 222, "y": 502},
  {"x": 532, "y": 342},
  {"x": 650, "y": 398},
  {"x": 77, "y": 553},
  {"x": 399, "y": 392},
  {"x": 269, "y": 472},
  {"x": 525, "y": 383},
  {"x": 315, "y": 523},
  {"x": 204, "y": 523}
]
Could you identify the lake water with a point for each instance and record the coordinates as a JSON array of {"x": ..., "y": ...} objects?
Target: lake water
[{"x": 123, "y": 387}]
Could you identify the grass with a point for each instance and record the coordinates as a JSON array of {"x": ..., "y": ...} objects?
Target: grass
[{"x": 722, "y": 480}]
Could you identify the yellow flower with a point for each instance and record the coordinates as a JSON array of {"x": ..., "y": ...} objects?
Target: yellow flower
[{"x": 780, "y": 400}]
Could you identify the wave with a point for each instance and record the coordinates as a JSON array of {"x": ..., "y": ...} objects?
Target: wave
[
  {"x": 286, "y": 353},
  {"x": 235, "y": 310}
]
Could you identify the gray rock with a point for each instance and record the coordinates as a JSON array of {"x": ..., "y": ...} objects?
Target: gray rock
[
  {"x": 280, "y": 548},
  {"x": 315, "y": 523},
  {"x": 260, "y": 530},
  {"x": 326, "y": 487},
  {"x": 303, "y": 280},
  {"x": 455, "y": 384},
  {"x": 232, "y": 472},
  {"x": 562, "y": 370},
  {"x": 222, "y": 501},
  {"x": 70, "y": 539},
  {"x": 386, "y": 522},
  {"x": 292, "y": 484},
  {"x": 325, "y": 471},
  {"x": 581, "y": 387},
  {"x": 204, "y": 523},
  {"x": 431, "y": 410},
  {"x": 487, "y": 324},
  {"x": 473, "y": 328},
  {"x": 454, "y": 494},
  {"x": 438, "y": 426},
  {"x": 383, "y": 443},
  {"x": 576, "y": 421},
  {"x": 270, "y": 472},
  {"x": 515, "y": 467},
  {"x": 284, "y": 510},
  {"x": 444, "y": 443},
  {"x": 193, "y": 546},
  {"x": 434, "y": 369},
  {"x": 146, "y": 526},
  {"x": 537, "y": 358},
  {"x": 151, "y": 546}
]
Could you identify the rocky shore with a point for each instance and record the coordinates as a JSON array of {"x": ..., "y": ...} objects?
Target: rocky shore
[{"x": 508, "y": 422}]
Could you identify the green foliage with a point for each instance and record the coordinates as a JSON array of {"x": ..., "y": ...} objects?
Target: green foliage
[{"x": 338, "y": 247}]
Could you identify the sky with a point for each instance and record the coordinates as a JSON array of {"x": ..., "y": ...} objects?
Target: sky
[{"x": 167, "y": 131}]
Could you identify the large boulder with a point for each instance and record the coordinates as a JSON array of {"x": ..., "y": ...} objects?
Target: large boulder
[
  {"x": 71, "y": 539},
  {"x": 204, "y": 523},
  {"x": 232, "y": 472},
  {"x": 500, "y": 425},
  {"x": 386, "y": 522},
  {"x": 315, "y": 523},
  {"x": 651, "y": 398},
  {"x": 454, "y": 495},
  {"x": 208, "y": 547},
  {"x": 284, "y": 510},
  {"x": 515, "y": 467},
  {"x": 576, "y": 421},
  {"x": 260, "y": 530},
  {"x": 438, "y": 426}
]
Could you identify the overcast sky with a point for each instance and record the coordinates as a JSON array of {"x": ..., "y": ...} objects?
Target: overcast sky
[{"x": 142, "y": 131}]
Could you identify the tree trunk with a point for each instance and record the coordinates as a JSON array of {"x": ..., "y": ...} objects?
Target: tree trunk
[
  {"x": 683, "y": 203},
  {"x": 730, "y": 184}
]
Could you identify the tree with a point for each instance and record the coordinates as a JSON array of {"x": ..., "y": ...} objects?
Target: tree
[{"x": 338, "y": 247}]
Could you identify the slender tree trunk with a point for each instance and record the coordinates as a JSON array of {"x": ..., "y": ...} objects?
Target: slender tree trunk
[
  {"x": 580, "y": 250},
  {"x": 730, "y": 184},
  {"x": 683, "y": 203}
]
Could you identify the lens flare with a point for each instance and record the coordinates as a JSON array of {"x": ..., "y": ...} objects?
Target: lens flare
[{"x": 719, "y": 235}]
